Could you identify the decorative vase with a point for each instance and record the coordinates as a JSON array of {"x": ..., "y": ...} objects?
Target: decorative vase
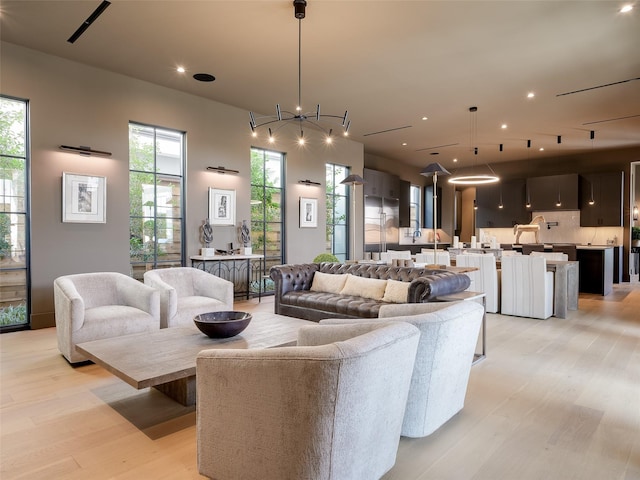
[
  {"x": 247, "y": 251},
  {"x": 207, "y": 252}
]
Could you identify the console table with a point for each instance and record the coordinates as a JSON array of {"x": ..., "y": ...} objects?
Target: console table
[{"x": 235, "y": 268}]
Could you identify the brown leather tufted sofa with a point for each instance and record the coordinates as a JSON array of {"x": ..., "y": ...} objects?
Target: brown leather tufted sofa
[{"x": 293, "y": 297}]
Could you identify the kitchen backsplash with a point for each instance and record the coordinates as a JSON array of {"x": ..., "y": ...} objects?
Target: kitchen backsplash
[{"x": 568, "y": 230}]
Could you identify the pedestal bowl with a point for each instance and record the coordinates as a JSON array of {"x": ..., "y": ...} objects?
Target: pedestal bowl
[{"x": 222, "y": 324}]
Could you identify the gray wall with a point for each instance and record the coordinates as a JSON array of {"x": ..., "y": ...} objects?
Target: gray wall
[{"x": 75, "y": 104}]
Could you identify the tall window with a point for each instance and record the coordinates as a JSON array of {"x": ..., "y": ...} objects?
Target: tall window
[
  {"x": 337, "y": 211},
  {"x": 414, "y": 204},
  {"x": 267, "y": 208},
  {"x": 156, "y": 198},
  {"x": 14, "y": 214}
]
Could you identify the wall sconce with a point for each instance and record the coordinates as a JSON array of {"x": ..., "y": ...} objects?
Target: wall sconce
[
  {"x": 309, "y": 183},
  {"x": 84, "y": 151},
  {"x": 223, "y": 170},
  {"x": 635, "y": 212}
]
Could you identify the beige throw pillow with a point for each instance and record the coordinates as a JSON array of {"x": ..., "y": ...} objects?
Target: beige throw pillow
[
  {"x": 328, "y": 282},
  {"x": 364, "y": 287},
  {"x": 396, "y": 292}
]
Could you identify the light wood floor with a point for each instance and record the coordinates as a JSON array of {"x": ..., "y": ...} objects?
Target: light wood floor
[{"x": 555, "y": 399}]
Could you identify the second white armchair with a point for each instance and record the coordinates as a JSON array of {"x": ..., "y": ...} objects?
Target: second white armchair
[{"x": 186, "y": 292}]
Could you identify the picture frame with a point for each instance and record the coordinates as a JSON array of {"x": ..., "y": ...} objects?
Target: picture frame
[
  {"x": 308, "y": 212},
  {"x": 84, "y": 198},
  {"x": 222, "y": 206}
]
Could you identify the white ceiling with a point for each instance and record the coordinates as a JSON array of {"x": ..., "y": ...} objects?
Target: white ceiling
[{"x": 388, "y": 62}]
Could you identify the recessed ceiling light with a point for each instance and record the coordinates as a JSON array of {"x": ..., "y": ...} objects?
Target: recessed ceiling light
[
  {"x": 541, "y": 149},
  {"x": 531, "y": 95},
  {"x": 503, "y": 126},
  {"x": 204, "y": 77},
  {"x": 455, "y": 160},
  {"x": 180, "y": 69},
  {"x": 626, "y": 9},
  {"x": 424, "y": 118},
  {"x": 404, "y": 144}
]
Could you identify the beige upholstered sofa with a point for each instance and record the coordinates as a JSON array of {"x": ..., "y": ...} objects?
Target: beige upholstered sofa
[
  {"x": 449, "y": 333},
  {"x": 91, "y": 306},
  {"x": 186, "y": 292},
  {"x": 329, "y": 408}
]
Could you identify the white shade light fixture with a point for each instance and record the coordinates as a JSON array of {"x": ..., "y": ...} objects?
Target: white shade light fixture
[
  {"x": 475, "y": 177},
  {"x": 433, "y": 170},
  {"x": 313, "y": 119},
  {"x": 353, "y": 180}
]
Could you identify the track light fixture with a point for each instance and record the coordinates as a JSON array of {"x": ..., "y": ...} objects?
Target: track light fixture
[{"x": 313, "y": 119}]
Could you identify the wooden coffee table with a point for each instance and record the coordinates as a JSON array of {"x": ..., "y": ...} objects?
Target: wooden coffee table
[{"x": 166, "y": 359}]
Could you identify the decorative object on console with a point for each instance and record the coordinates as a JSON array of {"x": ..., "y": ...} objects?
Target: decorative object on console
[
  {"x": 245, "y": 238},
  {"x": 353, "y": 180},
  {"x": 222, "y": 206},
  {"x": 308, "y": 212},
  {"x": 207, "y": 238},
  {"x": 223, "y": 170},
  {"x": 312, "y": 119},
  {"x": 84, "y": 198},
  {"x": 433, "y": 170}
]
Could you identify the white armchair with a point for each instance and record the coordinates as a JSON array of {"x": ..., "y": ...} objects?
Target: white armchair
[
  {"x": 527, "y": 287},
  {"x": 330, "y": 408},
  {"x": 186, "y": 292},
  {"x": 91, "y": 306},
  {"x": 449, "y": 334},
  {"x": 486, "y": 279}
]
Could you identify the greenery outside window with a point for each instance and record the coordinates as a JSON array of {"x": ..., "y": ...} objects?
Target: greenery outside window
[
  {"x": 14, "y": 214},
  {"x": 156, "y": 198},
  {"x": 337, "y": 199},
  {"x": 267, "y": 211}
]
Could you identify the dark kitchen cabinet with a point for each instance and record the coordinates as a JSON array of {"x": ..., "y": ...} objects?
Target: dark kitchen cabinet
[
  {"x": 381, "y": 184},
  {"x": 554, "y": 192},
  {"x": 511, "y": 195},
  {"x": 601, "y": 199},
  {"x": 405, "y": 204}
]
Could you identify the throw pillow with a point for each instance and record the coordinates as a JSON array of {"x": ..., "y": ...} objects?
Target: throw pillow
[
  {"x": 327, "y": 282},
  {"x": 364, "y": 287},
  {"x": 396, "y": 292}
]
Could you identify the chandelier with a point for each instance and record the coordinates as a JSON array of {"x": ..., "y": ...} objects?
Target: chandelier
[
  {"x": 313, "y": 119},
  {"x": 476, "y": 176}
]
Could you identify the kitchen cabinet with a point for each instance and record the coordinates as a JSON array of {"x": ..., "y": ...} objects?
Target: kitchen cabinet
[
  {"x": 601, "y": 199},
  {"x": 554, "y": 192},
  {"x": 373, "y": 185},
  {"x": 381, "y": 184},
  {"x": 428, "y": 207},
  {"x": 511, "y": 195},
  {"x": 405, "y": 205}
]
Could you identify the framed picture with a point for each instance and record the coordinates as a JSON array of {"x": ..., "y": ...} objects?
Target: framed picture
[
  {"x": 84, "y": 198},
  {"x": 222, "y": 207},
  {"x": 308, "y": 212}
]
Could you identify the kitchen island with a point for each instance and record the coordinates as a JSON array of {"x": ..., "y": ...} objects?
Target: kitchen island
[{"x": 596, "y": 268}]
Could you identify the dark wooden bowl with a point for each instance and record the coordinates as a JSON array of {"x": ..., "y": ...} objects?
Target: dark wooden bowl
[{"x": 222, "y": 324}]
